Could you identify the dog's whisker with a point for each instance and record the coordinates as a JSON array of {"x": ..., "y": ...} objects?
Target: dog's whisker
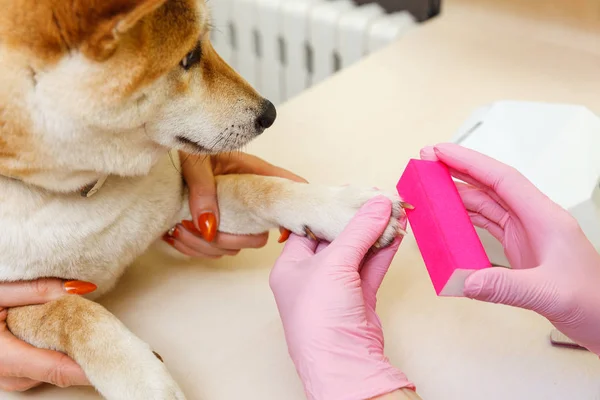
[
  {"x": 185, "y": 160},
  {"x": 174, "y": 164}
]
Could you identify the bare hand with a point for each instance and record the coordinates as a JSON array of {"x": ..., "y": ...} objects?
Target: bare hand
[
  {"x": 23, "y": 366},
  {"x": 200, "y": 238}
]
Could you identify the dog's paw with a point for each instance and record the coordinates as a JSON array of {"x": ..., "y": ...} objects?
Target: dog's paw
[{"x": 333, "y": 208}]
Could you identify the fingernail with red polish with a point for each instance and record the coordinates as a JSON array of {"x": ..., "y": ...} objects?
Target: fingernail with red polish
[
  {"x": 79, "y": 287},
  {"x": 168, "y": 239},
  {"x": 189, "y": 225},
  {"x": 207, "y": 223},
  {"x": 284, "y": 235}
]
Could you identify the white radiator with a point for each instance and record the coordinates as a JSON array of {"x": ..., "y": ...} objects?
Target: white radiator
[{"x": 283, "y": 47}]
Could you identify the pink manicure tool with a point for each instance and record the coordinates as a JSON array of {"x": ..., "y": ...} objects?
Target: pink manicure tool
[{"x": 447, "y": 240}]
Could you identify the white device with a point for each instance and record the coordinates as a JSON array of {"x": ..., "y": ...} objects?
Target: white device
[{"x": 556, "y": 146}]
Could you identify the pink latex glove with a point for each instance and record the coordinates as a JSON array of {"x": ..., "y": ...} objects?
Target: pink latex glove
[
  {"x": 555, "y": 269},
  {"x": 326, "y": 297}
]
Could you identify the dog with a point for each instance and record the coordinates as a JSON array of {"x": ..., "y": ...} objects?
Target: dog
[{"x": 97, "y": 99}]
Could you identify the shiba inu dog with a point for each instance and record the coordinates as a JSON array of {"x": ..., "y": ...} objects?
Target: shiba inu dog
[{"x": 96, "y": 98}]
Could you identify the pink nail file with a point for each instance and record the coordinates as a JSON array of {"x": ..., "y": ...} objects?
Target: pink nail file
[{"x": 447, "y": 240}]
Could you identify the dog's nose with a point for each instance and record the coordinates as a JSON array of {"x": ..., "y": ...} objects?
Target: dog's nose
[{"x": 266, "y": 117}]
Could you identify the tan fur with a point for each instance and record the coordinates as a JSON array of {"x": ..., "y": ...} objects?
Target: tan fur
[
  {"x": 241, "y": 187},
  {"x": 15, "y": 142},
  {"x": 64, "y": 323},
  {"x": 51, "y": 28},
  {"x": 90, "y": 88},
  {"x": 137, "y": 39}
]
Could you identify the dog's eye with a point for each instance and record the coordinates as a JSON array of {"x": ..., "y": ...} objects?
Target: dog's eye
[{"x": 192, "y": 58}]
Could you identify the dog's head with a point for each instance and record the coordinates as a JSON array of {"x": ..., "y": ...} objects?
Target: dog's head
[{"x": 105, "y": 86}]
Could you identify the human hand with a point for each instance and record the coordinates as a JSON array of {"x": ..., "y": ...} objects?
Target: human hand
[
  {"x": 326, "y": 297},
  {"x": 555, "y": 269},
  {"x": 23, "y": 366},
  {"x": 200, "y": 238}
]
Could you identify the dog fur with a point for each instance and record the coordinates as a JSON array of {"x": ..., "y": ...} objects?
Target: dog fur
[{"x": 94, "y": 88}]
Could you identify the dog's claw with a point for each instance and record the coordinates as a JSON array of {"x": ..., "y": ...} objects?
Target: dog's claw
[
  {"x": 310, "y": 234},
  {"x": 158, "y": 356},
  {"x": 406, "y": 205},
  {"x": 402, "y": 232}
]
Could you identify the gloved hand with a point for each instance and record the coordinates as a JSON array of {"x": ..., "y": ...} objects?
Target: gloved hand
[
  {"x": 326, "y": 297},
  {"x": 555, "y": 269}
]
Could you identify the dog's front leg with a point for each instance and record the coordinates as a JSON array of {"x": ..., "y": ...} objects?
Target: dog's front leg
[
  {"x": 251, "y": 204},
  {"x": 116, "y": 362}
]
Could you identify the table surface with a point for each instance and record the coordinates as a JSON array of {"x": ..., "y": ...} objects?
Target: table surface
[{"x": 216, "y": 324}]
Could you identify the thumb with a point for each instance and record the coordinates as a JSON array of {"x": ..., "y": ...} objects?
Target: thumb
[
  {"x": 43, "y": 365},
  {"x": 364, "y": 230},
  {"x": 198, "y": 174},
  {"x": 522, "y": 288},
  {"x": 297, "y": 248},
  {"x": 376, "y": 267}
]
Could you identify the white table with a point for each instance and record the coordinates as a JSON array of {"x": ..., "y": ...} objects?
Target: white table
[{"x": 216, "y": 324}]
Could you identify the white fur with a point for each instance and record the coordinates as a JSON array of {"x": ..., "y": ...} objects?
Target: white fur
[
  {"x": 78, "y": 135},
  {"x": 94, "y": 239}
]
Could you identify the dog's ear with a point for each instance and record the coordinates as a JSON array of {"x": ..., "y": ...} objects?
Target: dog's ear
[
  {"x": 51, "y": 28},
  {"x": 107, "y": 21}
]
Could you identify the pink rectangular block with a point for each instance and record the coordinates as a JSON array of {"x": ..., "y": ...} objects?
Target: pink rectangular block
[{"x": 447, "y": 239}]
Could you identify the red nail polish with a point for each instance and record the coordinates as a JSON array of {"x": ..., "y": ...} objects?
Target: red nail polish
[
  {"x": 284, "y": 235},
  {"x": 168, "y": 239},
  {"x": 189, "y": 225},
  {"x": 79, "y": 287},
  {"x": 208, "y": 226}
]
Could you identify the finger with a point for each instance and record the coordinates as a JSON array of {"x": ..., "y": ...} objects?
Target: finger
[
  {"x": 322, "y": 246},
  {"x": 17, "y": 384},
  {"x": 188, "y": 234},
  {"x": 472, "y": 182},
  {"x": 520, "y": 195},
  {"x": 482, "y": 222},
  {"x": 188, "y": 251},
  {"x": 375, "y": 267},
  {"x": 243, "y": 163},
  {"x": 198, "y": 174},
  {"x": 364, "y": 230},
  {"x": 14, "y": 294},
  {"x": 523, "y": 288},
  {"x": 297, "y": 248},
  {"x": 428, "y": 154},
  {"x": 236, "y": 242},
  {"x": 21, "y": 360},
  {"x": 479, "y": 202}
]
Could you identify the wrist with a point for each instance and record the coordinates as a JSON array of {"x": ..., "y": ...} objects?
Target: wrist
[
  {"x": 402, "y": 394},
  {"x": 351, "y": 377}
]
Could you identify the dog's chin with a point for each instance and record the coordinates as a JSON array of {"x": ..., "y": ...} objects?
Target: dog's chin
[
  {"x": 190, "y": 146},
  {"x": 229, "y": 144}
]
